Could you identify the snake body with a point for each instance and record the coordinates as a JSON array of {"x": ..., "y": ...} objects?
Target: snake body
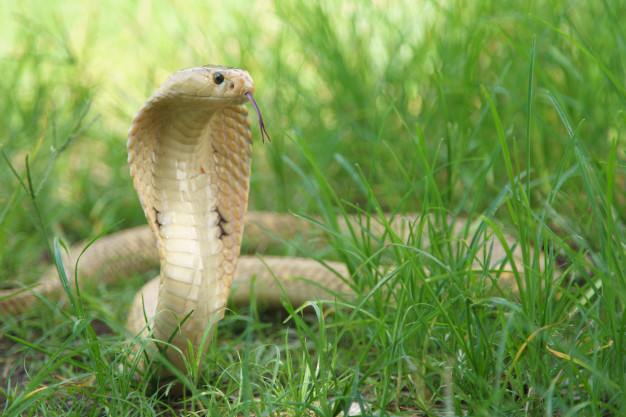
[{"x": 189, "y": 151}]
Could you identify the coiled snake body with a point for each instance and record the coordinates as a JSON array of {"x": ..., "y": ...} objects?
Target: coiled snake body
[{"x": 189, "y": 150}]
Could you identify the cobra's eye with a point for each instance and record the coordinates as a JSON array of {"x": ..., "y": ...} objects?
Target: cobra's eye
[{"x": 218, "y": 78}]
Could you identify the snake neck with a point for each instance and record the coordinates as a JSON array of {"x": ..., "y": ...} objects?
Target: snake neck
[{"x": 196, "y": 197}]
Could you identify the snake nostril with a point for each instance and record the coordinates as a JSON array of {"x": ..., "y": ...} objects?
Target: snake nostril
[{"x": 231, "y": 86}]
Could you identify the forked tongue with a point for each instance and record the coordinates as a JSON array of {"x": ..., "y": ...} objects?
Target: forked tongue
[{"x": 264, "y": 133}]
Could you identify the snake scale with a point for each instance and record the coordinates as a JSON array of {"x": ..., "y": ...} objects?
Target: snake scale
[{"x": 189, "y": 151}]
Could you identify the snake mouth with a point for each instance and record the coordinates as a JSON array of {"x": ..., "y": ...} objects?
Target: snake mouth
[{"x": 264, "y": 133}]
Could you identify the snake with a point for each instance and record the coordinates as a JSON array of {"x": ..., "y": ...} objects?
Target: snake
[{"x": 190, "y": 151}]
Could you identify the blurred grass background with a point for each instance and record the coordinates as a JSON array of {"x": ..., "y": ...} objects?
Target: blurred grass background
[{"x": 386, "y": 95}]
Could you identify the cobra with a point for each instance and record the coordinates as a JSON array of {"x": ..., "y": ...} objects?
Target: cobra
[{"x": 189, "y": 150}]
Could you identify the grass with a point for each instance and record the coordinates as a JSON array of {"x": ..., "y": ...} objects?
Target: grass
[{"x": 510, "y": 114}]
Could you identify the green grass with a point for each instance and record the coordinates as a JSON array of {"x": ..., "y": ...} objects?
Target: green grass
[{"x": 511, "y": 114}]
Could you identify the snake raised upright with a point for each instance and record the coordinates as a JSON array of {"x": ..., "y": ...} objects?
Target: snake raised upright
[{"x": 189, "y": 151}]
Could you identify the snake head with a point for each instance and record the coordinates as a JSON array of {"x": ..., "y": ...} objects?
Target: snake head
[{"x": 212, "y": 84}]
